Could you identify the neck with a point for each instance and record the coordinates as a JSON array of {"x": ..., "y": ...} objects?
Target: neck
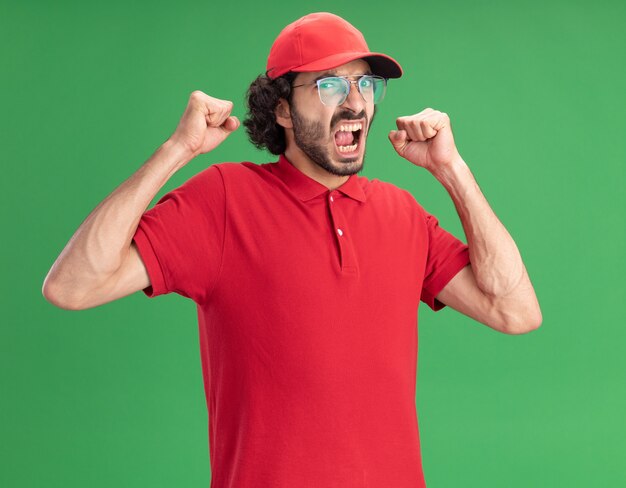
[{"x": 302, "y": 162}]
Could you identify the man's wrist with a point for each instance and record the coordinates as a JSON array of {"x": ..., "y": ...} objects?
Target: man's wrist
[
  {"x": 179, "y": 152},
  {"x": 453, "y": 173}
]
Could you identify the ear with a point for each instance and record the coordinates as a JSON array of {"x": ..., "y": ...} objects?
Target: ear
[{"x": 283, "y": 114}]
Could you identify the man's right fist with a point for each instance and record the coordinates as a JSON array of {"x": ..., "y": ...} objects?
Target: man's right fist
[{"x": 205, "y": 123}]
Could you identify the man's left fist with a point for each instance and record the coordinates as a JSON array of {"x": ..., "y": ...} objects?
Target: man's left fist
[{"x": 425, "y": 139}]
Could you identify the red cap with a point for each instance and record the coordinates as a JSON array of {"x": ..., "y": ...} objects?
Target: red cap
[{"x": 321, "y": 41}]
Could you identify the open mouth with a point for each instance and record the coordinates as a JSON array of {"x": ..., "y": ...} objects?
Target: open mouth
[{"x": 348, "y": 138}]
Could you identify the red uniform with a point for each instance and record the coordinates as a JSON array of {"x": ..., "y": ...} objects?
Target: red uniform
[{"x": 307, "y": 304}]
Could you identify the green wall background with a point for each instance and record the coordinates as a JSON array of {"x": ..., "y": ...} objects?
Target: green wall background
[{"x": 113, "y": 396}]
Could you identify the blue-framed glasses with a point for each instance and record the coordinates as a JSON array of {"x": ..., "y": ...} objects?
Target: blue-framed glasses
[{"x": 333, "y": 90}]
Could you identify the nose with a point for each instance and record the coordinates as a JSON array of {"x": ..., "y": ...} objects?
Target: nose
[{"x": 354, "y": 100}]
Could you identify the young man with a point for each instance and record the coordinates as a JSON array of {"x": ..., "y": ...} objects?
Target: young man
[{"x": 307, "y": 277}]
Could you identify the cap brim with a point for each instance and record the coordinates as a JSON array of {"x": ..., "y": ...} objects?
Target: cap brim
[{"x": 380, "y": 64}]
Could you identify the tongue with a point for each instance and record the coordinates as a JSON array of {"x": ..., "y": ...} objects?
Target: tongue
[{"x": 344, "y": 138}]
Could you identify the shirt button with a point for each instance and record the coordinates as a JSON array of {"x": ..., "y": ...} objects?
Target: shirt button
[
  {"x": 331, "y": 198},
  {"x": 340, "y": 232}
]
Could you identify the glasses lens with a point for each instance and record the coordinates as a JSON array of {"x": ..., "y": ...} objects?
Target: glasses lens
[
  {"x": 373, "y": 87},
  {"x": 333, "y": 91}
]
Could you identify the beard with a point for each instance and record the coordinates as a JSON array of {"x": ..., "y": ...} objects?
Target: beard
[{"x": 309, "y": 137}]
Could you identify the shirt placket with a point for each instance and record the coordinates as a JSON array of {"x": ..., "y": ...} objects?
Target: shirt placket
[{"x": 341, "y": 231}]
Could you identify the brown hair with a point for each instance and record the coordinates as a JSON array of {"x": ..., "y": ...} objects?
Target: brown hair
[{"x": 260, "y": 123}]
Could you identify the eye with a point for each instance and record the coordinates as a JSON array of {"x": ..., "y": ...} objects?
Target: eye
[
  {"x": 366, "y": 82},
  {"x": 328, "y": 84}
]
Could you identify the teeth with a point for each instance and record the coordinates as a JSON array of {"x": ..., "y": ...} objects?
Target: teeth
[
  {"x": 347, "y": 148},
  {"x": 351, "y": 127}
]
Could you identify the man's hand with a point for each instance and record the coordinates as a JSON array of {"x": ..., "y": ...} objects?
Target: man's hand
[
  {"x": 425, "y": 139},
  {"x": 205, "y": 123}
]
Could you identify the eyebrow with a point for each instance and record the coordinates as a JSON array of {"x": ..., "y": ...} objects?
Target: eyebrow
[{"x": 331, "y": 73}]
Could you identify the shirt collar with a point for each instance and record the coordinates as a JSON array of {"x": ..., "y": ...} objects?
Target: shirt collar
[{"x": 307, "y": 188}]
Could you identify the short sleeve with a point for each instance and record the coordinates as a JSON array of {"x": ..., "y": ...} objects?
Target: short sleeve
[
  {"x": 447, "y": 255},
  {"x": 181, "y": 238}
]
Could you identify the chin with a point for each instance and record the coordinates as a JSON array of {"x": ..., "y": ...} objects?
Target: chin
[
  {"x": 355, "y": 160},
  {"x": 347, "y": 168}
]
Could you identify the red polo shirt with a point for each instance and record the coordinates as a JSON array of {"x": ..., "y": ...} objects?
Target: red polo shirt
[{"x": 307, "y": 305}]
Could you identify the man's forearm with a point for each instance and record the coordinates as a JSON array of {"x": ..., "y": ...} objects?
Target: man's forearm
[
  {"x": 97, "y": 248},
  {"x": 495, "y": 259}
]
